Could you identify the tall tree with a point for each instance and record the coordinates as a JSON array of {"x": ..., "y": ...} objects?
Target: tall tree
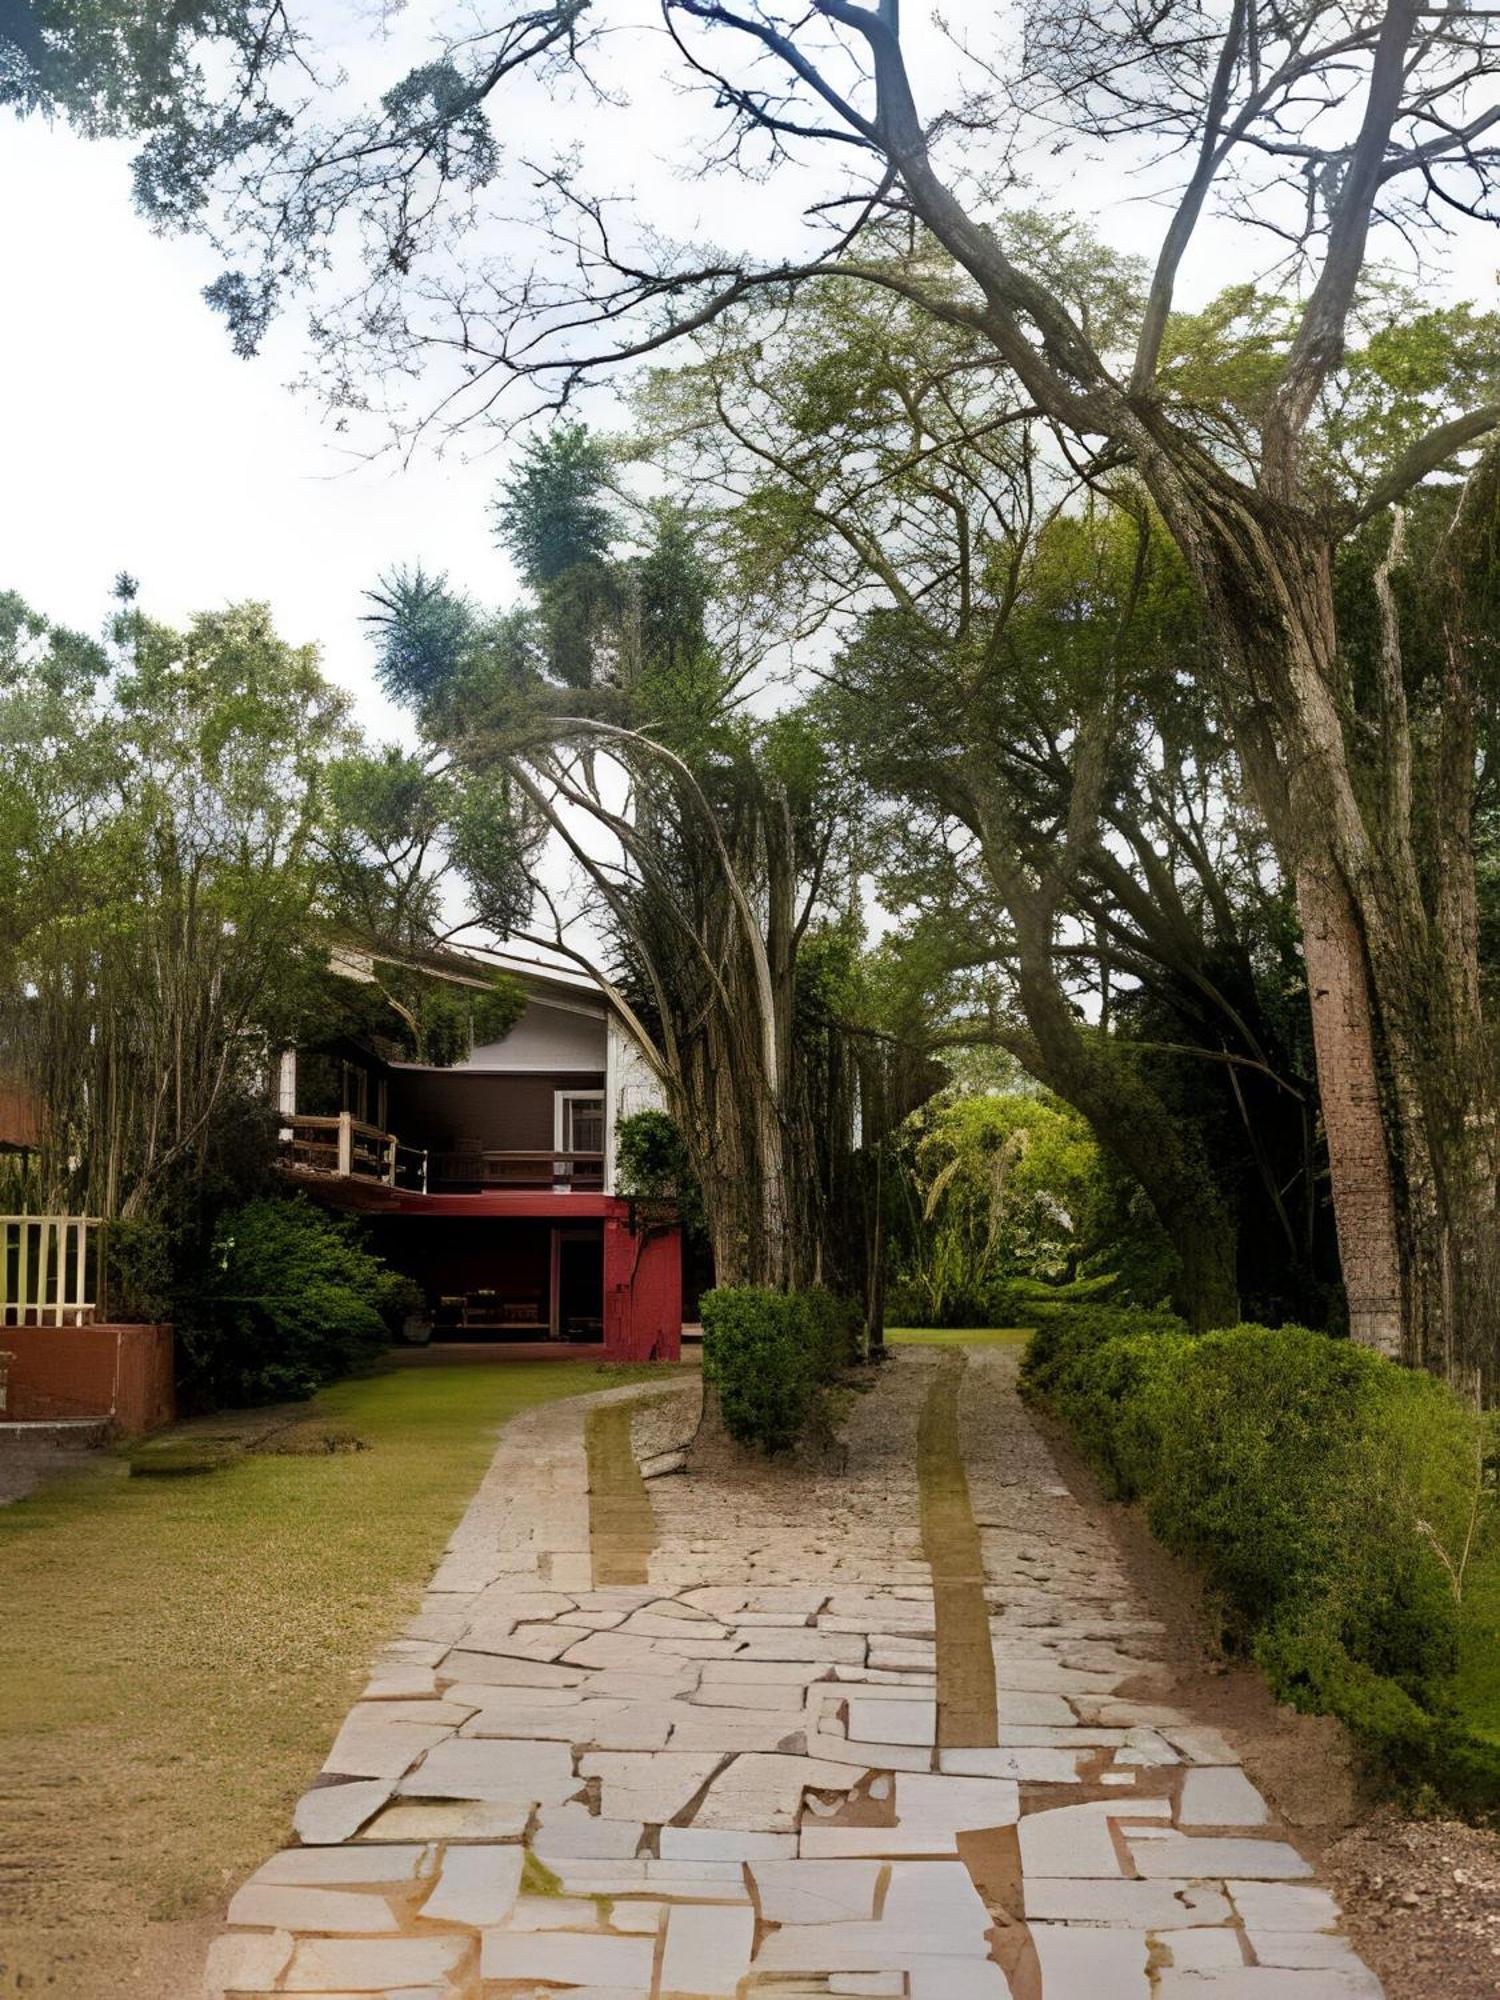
[
  {"x": 1011, "y": 681},
  {"x": 161, "y": 890},
  {"x": 704, "y": 844}
]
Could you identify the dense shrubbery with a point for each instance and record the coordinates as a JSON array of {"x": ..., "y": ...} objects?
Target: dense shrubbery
[
  {"x": 1322, "y": 1491},
  {"x": 291, "y": 1299},
  {"x": 770, "y": 1355}
]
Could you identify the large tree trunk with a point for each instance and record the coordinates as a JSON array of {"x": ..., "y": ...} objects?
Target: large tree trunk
[
  {"x": 1338, "y": 990},
  {"x": 1372, "y": 819}
]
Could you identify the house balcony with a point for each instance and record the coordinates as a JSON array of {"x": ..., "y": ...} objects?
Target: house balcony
[{"x": 343, "y": 1148}]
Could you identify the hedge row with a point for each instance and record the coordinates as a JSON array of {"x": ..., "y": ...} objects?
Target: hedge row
[
  {"x": 1318, "y": 1488},
  {"x": 771, "y": 1355}
]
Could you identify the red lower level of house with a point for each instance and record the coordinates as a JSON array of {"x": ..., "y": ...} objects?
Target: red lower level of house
[{"x": 522, "y": 1265}]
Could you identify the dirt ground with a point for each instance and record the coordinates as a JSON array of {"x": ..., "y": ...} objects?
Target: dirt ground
[{"x": 1421, "y": 1897}]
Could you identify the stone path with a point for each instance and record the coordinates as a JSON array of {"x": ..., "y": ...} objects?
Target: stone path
[{"x": 768, "y": 1769}]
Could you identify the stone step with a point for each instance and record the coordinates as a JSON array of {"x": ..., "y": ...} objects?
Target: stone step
[{"x": 75, "y": 1433}]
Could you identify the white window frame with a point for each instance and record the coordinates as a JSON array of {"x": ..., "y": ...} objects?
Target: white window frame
[{"x": 561, "y": 1099}]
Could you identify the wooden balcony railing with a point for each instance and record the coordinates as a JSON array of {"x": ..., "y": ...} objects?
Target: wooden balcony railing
[
  {"x": 500, "y": 1168},
  {"x": 346, "y": 1147}
]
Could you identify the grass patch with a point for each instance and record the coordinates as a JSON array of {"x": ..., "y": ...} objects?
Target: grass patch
[
  {"x": 956, "y": 1336},
  {"x": 176, "y": 1655}
]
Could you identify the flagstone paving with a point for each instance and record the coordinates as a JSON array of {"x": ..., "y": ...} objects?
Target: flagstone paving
[{"x": 766, "y": 1769}]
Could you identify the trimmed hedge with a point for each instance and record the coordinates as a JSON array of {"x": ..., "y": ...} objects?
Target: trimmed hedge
[
  {"x": 771, "y": 1355},
  {"x": 1312, "y": 1483}
]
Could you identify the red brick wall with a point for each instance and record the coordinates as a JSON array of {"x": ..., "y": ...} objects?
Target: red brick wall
[{"x": 123, "y": 1373}]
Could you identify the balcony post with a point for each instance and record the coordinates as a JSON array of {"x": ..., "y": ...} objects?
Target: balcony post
[
  {"x": 346, "y": 1144},
  {"x": 390, "y": 1159}
]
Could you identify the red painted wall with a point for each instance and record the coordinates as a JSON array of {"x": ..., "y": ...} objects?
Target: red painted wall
[
  {"x": 642, "y": 1292},
  {"x": 123, "y": 1373}
]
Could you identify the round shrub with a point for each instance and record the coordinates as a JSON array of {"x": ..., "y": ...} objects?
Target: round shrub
[{"x": 770, "y": 1355}]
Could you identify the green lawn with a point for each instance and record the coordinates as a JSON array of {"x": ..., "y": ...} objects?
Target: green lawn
[
  {"x": 957, "y": 1336},
  {"x": 176, "y": 1654}
]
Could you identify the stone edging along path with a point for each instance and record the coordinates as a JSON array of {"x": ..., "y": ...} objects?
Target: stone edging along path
[{"x": 775, "y": 1733}]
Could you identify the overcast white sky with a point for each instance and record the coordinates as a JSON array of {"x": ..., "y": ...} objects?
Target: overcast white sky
[{"x": 133, "y": 439}]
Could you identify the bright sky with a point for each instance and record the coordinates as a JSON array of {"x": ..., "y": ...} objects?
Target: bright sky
[{"x": 133, "y": 439}]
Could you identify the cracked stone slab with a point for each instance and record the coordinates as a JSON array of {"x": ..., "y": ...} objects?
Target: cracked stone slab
[
  {"x": 291, "y": 1907},
  {"x": 764, "y": 1793},
  {"x": 569, "y": 1957},
  {"x": 1082, "y": 1963},
  {"x": 1143, "y": 1906},
  {"x": 1198, "y": 1855},
  {"x": 817, "y": 1892},
  {"x": 334, "y": 1965},
  {"x": 1077, "y": 1841},
  {"x": 652, "y": 1789},
  {"x": 1220, "y": 1795},
  {"x": 329, "y": 1814},
  {"x": 706, "y": 1953},
  {"x": 496, "y": 1772},
  {"x": 1284, "y": 1906},
  {"x": 329, "y": 1867},
  {"x": 1258, "y": 1982},
  {"x": 477, "y": 1886}
]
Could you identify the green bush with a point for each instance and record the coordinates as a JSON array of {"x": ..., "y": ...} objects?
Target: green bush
[
  {"x": 837, "y": 1329},
  {"x": 1295, "y": 1469},
  {"x": 135, "y": 1281},
  {"x": 1067, "y": 1332},
  {"x": 291, "y": 1299},
  {"x": 770, "y": 1355},
  {"x": 996, "y": 1302},
  {"x": 1114, "y": 1394},
  {"x": 1314, "y": 1484}
]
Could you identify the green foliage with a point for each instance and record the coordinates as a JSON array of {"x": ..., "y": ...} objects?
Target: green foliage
[
  {"x": 1068, "y": 1332},
  {"x": 409, "y": 1013},
  {"x": 161, "y": 880},
  {"x": 423, "y": 634},
  {"x": 291, "y": 1299},
  {"x": 651, "y": 1159},
  {"x": 770, "y": 1355},
  {"x": 137, "y": 1278},
  {"x": 115, "y": 67},
  {"x": 1000, "y": 1186},
  {"x": 550, "y": 515},
  {"x": 556, "y": 523},
  {"x": 1328, "y": 1497}
]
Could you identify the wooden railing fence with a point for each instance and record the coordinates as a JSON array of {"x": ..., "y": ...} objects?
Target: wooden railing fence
[{"x": 49, "y": 1270}]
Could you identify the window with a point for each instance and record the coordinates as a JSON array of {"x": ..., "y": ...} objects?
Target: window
[{"x": 580, "y": 1122}]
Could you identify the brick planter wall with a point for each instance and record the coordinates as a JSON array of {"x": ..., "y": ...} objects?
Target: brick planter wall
[{"x": 123, "y": 1373}]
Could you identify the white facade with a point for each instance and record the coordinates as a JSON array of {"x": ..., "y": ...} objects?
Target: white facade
[
  {"x": 553, "y": 1033},
  {"x": 630, "y": 1085}
]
